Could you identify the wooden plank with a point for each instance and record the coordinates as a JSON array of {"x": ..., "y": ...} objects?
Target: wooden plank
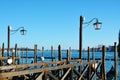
[
  {"x": 40, "y": 76},
  {"x": 76, "y": 72},
  {"x": 38, "y": 64},
  {"x": 66, "y": 74},
  {"x": 17, "y": 73},
  {"x": 5, "y": 58},
  {"x": 29, "y": 65}
]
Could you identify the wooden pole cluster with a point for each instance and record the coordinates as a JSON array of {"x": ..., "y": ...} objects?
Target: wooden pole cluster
[{"x": 66, "y": 72}]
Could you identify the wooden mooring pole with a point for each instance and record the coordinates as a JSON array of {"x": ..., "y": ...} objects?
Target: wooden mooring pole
[
  {"x": 59, "y": 59},
  {"x": 2, "y": 54},
  {"x": 115, "y": 60},
  {"x": 52, "y": 52},
  {"x": 35, "y": 53},
  {"x": 22, "y": 54},
  {"x": 88, "y": 78},
  {"x": 26, "y": 55},
  {"x": 103, "y": 63},
  {"x": 93, "y": 54},
  {"x": 3, "y": 49},
  {"x": 59, "y": 53}
]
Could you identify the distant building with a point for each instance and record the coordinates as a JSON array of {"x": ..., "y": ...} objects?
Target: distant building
[{"x": 111, "y": 48}]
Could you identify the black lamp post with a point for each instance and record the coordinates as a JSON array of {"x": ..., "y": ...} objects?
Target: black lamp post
[
  {"x": 97, "y": 26},
  {"x": 22, "y": 31}
]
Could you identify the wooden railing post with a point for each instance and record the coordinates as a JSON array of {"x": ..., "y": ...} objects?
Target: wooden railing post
[{"x": 115, "y": 60}]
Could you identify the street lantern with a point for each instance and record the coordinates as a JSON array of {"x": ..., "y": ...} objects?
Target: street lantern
[
  {"x": 97, "y": 25},
  {"x": 22, "y": 31}
]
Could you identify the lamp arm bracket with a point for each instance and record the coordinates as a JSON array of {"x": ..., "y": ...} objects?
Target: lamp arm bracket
[
  {"x": 14, "y": 31},
  {"x": 91, "y": 21},
  {"x": 17, "y": 29}
]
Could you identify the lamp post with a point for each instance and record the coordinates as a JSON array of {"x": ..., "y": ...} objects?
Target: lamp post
[
  {"x": 22, "y": 31},
  {"x": 97, "y": 26}
]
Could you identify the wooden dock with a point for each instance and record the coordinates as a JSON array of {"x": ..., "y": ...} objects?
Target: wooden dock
[{"x": 67, "y": 69}]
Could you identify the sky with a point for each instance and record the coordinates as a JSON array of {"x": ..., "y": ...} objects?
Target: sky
[{"x": 53, "y": 22}]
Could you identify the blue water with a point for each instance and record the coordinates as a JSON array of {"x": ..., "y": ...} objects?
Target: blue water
[{"x": 74, "y": 54}]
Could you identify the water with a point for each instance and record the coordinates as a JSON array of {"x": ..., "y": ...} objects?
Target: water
[{"x": 74, "y": 54}]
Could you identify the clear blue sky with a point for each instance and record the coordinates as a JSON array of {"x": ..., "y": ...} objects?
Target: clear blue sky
[{"x": 54, "y": 22}]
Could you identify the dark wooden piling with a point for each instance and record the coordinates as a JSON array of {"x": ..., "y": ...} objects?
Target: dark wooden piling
[
  {"x": 93, "y": 54},
  {"x": 59, "y": 53},
  {"x": 88, "y": 78},
  {"x": 68, "y": 56},
  {"x": 15, "y": 50},
  {"x": 42, "y": 58},
  {"x": 52, "y": 52},
  {"x": 70, "y": 53},
  {"x": 13, "y": 56},
  {"x": 3, "y": 49},
  {"x": 2, "y": 54},
  {"x": 26, "y": 55},
  {"x": 35, "y": 53},
  {"x": 103, "y": 63},
  {"x": 22, "y": 54},
  {"x": 18, "y": 55},
  {"x": 42, "y": 51},
  {"x": 115, "y": 60},
  {"x": 59, "y": 59}
]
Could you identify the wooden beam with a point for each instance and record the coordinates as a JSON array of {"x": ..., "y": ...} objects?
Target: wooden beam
[
  {"x": 40, "y": 76},
  {"x": 52, "y": 76},
  {"x": 83, "y": 72},
  {"x": 95, "y": 71},
  {"x": 66, "y": 74},
  {"x": 5, "y": 58}
]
